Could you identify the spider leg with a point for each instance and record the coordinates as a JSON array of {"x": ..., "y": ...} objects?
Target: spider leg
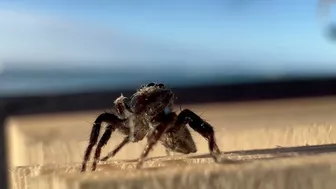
[
  {"x": 132, "y": 137},
  {"x": 153, "y": 138},
  {"x": 117, "y": 149},
  {"x": 102, "y": 142},
  {"x": 104, "y": 117},
  {"x": 187, "y": 116}
]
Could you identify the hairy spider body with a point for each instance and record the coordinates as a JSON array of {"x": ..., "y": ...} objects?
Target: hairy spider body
[{"x": 149, "y": 113}]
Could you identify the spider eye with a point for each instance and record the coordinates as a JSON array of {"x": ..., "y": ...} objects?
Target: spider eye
[
  {"x": 150, "y": 84},
  {"x": 160, "y": 85}
]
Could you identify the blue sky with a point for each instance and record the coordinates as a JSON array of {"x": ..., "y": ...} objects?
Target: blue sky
[{"x": 272, "y": 33}]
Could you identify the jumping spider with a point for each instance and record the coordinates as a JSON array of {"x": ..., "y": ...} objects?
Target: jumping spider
[{"x": 149, "y": 113}]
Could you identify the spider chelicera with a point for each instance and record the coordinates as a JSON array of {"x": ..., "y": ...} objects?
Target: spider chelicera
[{"x": 149, "y": 113}]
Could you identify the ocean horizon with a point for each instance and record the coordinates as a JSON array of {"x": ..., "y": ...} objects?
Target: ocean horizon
[
  {"x": 32, "y": 80},
  {"x": 21, "y": 83}
]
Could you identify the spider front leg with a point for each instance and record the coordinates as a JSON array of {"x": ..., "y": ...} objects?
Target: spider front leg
[
  {"x": 117, "y": 149},
  {"x": 187, "y": 116},
  {"x": 153, "y": 138},
  {"x": 113, "y": 122}
]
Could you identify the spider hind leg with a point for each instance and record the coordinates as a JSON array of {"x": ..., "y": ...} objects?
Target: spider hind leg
[{"x": 187, "y": 116}]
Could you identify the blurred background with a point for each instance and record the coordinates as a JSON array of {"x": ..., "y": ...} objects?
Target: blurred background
[
  {"x": 57, "y": 47},
  {"x": 80, "y": 55}
]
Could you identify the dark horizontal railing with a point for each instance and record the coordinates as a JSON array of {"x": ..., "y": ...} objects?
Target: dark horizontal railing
[{"x": 22, "y": 105}]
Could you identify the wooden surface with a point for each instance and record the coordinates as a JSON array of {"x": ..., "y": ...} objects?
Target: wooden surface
[
  {"x": 59, "y": 139},
  {"x": 312, "y": 172},
  {"x": 267, "y": 170}
]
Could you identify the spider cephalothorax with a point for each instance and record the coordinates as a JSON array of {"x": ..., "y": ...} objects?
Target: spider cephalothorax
[
  {"x": 151, "y": 100},
  {"x": 148, "y": 113}
]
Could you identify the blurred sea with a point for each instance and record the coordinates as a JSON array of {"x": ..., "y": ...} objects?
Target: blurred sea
[
  {"x": 35, "y": 80},
  {"x": 32, "y": 82}
]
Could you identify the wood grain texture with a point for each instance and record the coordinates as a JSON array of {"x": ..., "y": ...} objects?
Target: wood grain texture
[
  {"x": 311, "y": 172},
  {"x": 60, "y": 139}
]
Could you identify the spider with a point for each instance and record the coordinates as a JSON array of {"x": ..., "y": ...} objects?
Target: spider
[{"x": 149, "y": 113}]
